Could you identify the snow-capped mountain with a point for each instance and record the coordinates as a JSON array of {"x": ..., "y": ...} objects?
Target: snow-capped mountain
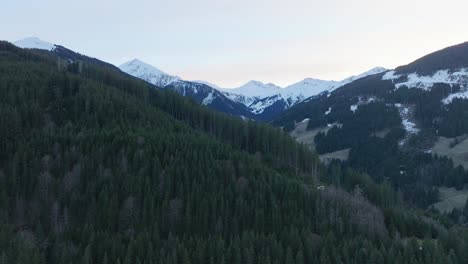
[
  {"x": 144, "y": 71},
  {"x": 34, "y": 43}
]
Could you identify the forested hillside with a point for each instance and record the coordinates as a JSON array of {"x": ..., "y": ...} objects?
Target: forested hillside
[
  {"x": 390, "y": 122},
  {"x": 99, "y": 167}
]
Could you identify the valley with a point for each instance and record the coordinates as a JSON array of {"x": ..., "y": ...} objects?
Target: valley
[{"x": 116, "y": 164}]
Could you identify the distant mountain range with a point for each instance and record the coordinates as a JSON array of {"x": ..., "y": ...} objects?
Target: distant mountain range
[{"x": 254, "y": 100}]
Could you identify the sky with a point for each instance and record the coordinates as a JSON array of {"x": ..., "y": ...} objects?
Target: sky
[{"x": 229, "y": 42}]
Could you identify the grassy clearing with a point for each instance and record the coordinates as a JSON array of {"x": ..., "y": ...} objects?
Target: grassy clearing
[
  {"x": 340, "y": 155},
  {"x": 450, "y": 198},
  {"x": 306, "y": 137},
  {"x": 458, "y": 153}
]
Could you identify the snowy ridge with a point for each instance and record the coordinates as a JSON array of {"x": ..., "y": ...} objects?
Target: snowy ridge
[
  {"x": 212, "y": 85},
  {"x": 146, "y": 72},
  {"x": 255, "y": 89},
  {"x": 370, "y": 72},
  {"x": 34, "y": 43}
]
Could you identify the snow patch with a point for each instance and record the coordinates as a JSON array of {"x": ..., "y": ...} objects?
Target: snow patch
[
  {"x": 209, "y": 99},
  {"x": 362, "y": 101},
  {"x": 460, "y": 95},
  {"x": 390, "y": 75},
  {"x": 405, "y": 113},
  {"x": 328, "y": 111}
]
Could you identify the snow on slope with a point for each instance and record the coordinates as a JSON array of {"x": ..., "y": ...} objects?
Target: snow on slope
[
  {"x": 414, "y": 80},
  {"x": 209, "y": 99},
  {"x": 34, "y": 43},
  {"x": 259, "y": 106},
  {"x": 405, "y": 115},
  {"x": 460, "y": 95},
  {"x": 426, "y": 82},
  {"x": 144, "y": 71}
]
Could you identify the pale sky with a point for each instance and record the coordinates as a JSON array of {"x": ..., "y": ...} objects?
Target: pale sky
[{"x": 229, "y": 42}]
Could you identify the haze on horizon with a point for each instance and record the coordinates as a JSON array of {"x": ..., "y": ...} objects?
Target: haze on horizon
[{"x": 229, "y": 42}]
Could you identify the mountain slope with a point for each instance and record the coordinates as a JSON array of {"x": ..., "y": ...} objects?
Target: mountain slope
[
  {"x": 392, "y": 120},
  {"x": 450, "y": 58},
  {"x": 99, "y": 167}
]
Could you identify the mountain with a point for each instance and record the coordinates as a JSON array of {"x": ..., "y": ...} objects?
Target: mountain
[
  {"x": 391, "y": 123},
  {"x": 196, "y": 90}
]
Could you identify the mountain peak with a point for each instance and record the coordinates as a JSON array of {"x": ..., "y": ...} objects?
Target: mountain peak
[
  {"x": 34, "y": 43},
  {"x": 256, "y": 89},
  {"x": 147, "y": 72},
  {"x": 139, "y": 65}
]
